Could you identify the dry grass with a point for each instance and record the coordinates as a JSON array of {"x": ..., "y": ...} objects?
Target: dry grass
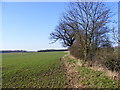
[
  {"x": 78, "y": 74},
  {"x": 97, "y": 67},
  {"x": 72, "y": 75}
]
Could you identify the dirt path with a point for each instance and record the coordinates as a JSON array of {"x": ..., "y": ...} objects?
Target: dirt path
[{"x": 72, "y": 76}]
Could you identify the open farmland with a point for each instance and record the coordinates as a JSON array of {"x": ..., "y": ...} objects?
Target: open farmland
[{"x": 32, "y": 70}]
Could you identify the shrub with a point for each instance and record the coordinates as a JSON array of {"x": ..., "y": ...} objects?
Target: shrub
[
  {"x": 112, "y": 62},
  {"x": 107, "y": 57}
]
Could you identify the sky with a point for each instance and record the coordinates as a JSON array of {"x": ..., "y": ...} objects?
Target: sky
[{"x": 27, "y": 25}]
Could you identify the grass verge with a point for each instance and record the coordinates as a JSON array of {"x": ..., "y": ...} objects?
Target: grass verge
[
  {"x": 95, "y": 79},
  {"x": 89, "y": 78}
]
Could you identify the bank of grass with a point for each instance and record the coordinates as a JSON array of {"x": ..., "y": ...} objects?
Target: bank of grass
[
  {"x": 92, "y": 79},
  {"x": 95, "y": 79},
  {"x": 32, "y": 70}
]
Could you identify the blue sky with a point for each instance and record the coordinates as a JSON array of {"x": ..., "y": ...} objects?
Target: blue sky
[{"x": 27, "y": 25}]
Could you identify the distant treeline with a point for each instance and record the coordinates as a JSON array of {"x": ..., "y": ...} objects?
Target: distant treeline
[
  {"x": 52, "y": 50},
  {"x": 12, "y": 51},
  {"x": 17, "y": 51}
]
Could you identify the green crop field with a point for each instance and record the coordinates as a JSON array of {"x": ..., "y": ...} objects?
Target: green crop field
[{"x": 32, "y": 70}]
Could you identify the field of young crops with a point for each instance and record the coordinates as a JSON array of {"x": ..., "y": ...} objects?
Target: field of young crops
[{"x": 32, "y": 70}]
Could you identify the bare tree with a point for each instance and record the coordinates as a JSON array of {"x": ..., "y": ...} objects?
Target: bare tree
[
  {"x": 64, "y": 33},
  {"x": 115, "y": 36},
  {"x": 88, "y": 22}
]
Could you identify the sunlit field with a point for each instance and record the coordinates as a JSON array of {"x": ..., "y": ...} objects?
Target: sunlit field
[{"x": 32, "y": 70}]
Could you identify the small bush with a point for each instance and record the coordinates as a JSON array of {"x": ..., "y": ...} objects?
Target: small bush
[
  {"x": 77, "y": 51},
  {"x": 108, "y": 58},
  {"x": 112, "y": 62}
]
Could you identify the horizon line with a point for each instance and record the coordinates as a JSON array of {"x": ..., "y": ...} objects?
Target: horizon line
[{"x": 33, "y": 50}]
